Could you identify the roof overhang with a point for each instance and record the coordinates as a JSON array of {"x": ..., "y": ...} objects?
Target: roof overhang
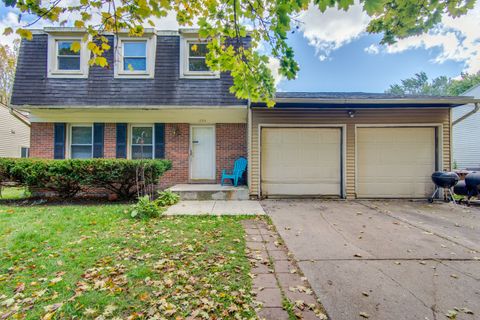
[{"x": 375, "y": 103}]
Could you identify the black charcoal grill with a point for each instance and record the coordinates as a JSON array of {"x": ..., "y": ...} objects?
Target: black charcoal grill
[
  {"x": 445, "y": 181},
  {"x": 470, "y": 187}
]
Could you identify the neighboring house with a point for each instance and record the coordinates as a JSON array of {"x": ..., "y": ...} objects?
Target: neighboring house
[
  {"x": 14, "y": 133},
  {"x": 466, "y": 135},
  {"x": 159, "y": 100}
]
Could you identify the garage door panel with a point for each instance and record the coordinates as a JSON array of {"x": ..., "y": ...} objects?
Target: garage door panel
[
  {"x": 301, "y": 161},
  {"x": 395, "y": 162}
]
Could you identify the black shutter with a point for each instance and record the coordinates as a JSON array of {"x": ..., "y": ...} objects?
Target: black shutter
[
  {"x": 59, "y": 141},
  {"x": 122, "y": 140},
  {"x": 98, "y": 134},
  {"x": 159, "y": 140}
]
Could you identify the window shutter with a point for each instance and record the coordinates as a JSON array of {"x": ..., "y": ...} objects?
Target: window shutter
[
  {"x": 59, "y": 141},
  {"x": 98, "y": 134},
  {"x": 122, "y": 140},
  {"x": 159, "y": 140}
]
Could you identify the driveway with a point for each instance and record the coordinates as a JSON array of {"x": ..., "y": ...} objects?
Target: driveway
[{"x": 385, "y": 259}]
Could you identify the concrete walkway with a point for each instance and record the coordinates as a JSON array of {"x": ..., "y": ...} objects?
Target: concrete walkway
[
  {"x": 216, "y": 207},
  {"x": 385, "y": 260}
]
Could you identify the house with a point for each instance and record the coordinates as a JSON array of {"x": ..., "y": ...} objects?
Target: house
[
  {"x": 158, "y": 99},
  {"x": 14, "y": 133},
  {"x": 466, "y": 137}
]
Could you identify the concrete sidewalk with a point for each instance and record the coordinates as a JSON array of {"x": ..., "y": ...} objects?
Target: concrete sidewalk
[{"x": 216, "y": 207}]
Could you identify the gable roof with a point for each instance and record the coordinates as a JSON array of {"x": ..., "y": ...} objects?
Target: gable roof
[
  {"x": 364, "y": 100},
  {"x": 17, "y": 114}
]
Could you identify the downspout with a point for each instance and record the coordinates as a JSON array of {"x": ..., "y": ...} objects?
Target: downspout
[
  {"x": 249, "y": 145},
  {"x": 468, "y": 114}
]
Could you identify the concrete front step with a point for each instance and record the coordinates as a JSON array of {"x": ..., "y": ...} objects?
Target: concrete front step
[{"x": 210, "y": 192}]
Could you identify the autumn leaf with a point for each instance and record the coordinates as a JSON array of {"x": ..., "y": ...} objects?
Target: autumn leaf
[
  {"x": 25, "y": 34},
  {"x": 7, "y": 31},
  {"x": 76, "y": 46},
  {"x": 101, "y": 61}
]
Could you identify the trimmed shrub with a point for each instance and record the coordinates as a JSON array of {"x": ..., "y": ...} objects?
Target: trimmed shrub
[{"x": 125, "y": 178}]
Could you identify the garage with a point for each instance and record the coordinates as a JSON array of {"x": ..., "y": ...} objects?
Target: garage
[
  {"x": 395, "y": 162},
  {"x": 301, "y": 162}
]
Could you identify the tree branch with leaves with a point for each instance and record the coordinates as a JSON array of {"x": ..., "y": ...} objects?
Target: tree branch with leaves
[{"x": 263, "y": 21}]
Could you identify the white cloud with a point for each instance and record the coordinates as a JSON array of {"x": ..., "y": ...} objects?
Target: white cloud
[
  {"x": 458, "y": 39},
  {"x": 332, "y": 29},
  {"x": 274, "y": 65},
  {"x": 372, "y": 49}
]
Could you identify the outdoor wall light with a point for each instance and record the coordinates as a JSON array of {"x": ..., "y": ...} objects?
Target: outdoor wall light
[
  {"x": 351, "y": 113},
  {"x": 176, "y": 131}
]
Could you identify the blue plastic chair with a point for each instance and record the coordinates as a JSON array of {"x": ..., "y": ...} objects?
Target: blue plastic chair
[{"x": 238, "y": 169}]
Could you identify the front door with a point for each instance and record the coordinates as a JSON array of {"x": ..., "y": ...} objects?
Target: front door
[{"x": 202, "y": 153}]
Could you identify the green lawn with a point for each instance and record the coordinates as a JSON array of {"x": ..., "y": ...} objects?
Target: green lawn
[{"x": 60, "y": 262}]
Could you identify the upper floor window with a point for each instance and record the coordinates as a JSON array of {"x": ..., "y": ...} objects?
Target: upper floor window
[
  {"x": 142, "y": 144},
  {"x": 193, "y": 64},
  {"x": 67, "y": 59},
  {"x": 63, "y": 60},
  {"x": 81, "y": 141},
  {"x": 135, "y": 57}
]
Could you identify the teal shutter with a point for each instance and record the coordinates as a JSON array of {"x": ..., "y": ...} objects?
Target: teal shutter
[
  {"x": 59, "y": 141},
  {"x": 98, "y": 134},
  {"x": 159, "y": 140},
  {"x": 121, "y": 140}
]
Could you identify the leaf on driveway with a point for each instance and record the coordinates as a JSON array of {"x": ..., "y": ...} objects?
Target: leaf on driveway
[{"x": 364, "y": 315}]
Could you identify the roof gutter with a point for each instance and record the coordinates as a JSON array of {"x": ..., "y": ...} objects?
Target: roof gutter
[
  {"x": 14, "y": 113},
  {"x": 468, "y": 114},
  {"x": 456, "y": 101}
]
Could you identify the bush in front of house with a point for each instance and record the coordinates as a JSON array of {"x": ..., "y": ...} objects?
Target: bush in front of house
[{"x": 125, "y": 178}]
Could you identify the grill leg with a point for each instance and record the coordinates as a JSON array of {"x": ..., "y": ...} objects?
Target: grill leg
[
  {"x": 451, "y": 195},
  {"x": 433, "y": 195}
]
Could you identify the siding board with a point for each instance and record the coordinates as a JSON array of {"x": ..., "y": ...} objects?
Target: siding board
[{"x": 336, "y": 117}]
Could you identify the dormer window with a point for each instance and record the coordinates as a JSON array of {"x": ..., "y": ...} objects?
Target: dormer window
[
  {"x": 135, "y": 57},
  {"x": 67, "y": 59},
  {"x": 63, "y": 60},
  {"x": 193, "y": 52}
]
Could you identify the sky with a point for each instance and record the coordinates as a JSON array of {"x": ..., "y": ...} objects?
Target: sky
[{"x": 336, "y": 54}]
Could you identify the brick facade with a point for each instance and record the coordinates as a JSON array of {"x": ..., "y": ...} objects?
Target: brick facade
[
  {"x": 177, "y": 149},
  {"x": 41, "y": 140},
  {"x": 231, "y": 143},
  {"x": 110, "y": 141}
]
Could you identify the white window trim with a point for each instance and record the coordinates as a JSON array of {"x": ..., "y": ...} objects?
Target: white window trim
[
  {"x": 184, "y": 56},
  {"x": 130, "y": 136},
  {"x": 69, "y": 138},
  {"x": 53, "y": 71},
  {"x": 151, "y": 45}
]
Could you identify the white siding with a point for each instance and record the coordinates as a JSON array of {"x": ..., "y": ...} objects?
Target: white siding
[
  {"x": 466, "y": 135},
  {"x": 14, "y": 134}
]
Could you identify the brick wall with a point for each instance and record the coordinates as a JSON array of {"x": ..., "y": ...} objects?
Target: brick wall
[
  {"x": 231, "y": 143},
  {"x": 41, "y": 142},
  {"x": 110, "y": 141},
  {"x": 177, "y": 148},
  {"x": 231, "y": 140}
]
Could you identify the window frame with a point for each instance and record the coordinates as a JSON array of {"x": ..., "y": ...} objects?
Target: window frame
[
  {"x": 130, "y": 138},
  {"x": 70, "y": 139},
  {"x": 53, "y": 66},
  {"x": 27, "y": 152},
  {"x": 150, "y": 52},
  {"x": 185, "y": 60}
]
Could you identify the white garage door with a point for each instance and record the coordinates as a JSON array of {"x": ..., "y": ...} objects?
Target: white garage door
[
  {"x": 395, "y": 162},
  {"x": 301, "y": 161}
]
